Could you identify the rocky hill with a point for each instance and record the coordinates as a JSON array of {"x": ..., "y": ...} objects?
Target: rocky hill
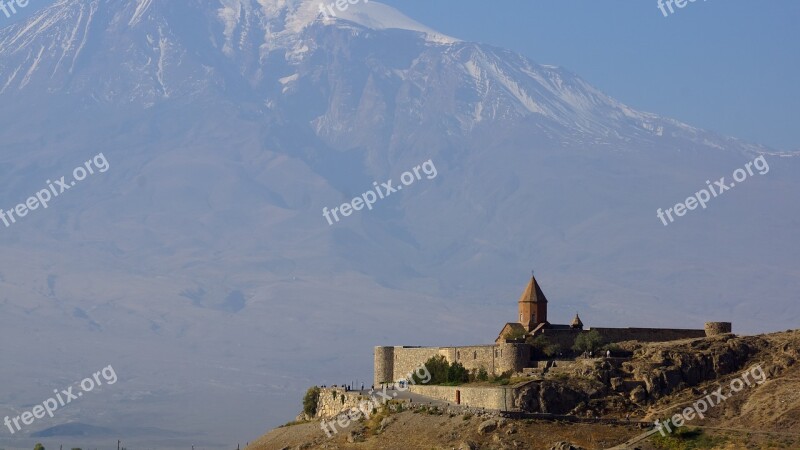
[{"x": 750, "y": 385}]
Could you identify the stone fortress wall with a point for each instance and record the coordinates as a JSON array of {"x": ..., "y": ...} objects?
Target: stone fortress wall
[
  {"x": 395, "y": 363},
  {"x": 511, "y": 353},
  {"x": 647, "y": 334},
  {"x": 717, "y": 328},
  {"x": 566, "y": 337}
]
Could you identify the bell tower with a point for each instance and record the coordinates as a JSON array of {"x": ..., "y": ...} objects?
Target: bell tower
[{"x": 532, "y": 306}]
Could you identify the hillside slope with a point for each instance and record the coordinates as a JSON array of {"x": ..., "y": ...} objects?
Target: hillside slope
[{"x": 766, "y": 415}]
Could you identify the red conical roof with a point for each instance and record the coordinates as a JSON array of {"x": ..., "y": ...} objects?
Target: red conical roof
[{"x": 533, "y": 293}]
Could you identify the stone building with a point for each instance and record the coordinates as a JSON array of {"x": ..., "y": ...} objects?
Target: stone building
[{"x": 511, "y": 353}]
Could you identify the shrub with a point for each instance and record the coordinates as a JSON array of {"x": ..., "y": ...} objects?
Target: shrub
[
  {"x": 515, "y": 334},
  {"x": 588, "y": 342},
  {"x": 444, "y": 373},
  {"x": 310, "y": 402},
  {"x": 456, "y": 373},
  {"x": 437, "y": 367},
  {"x": 553, "y": 350},
  {"x": 616, "y": 350},
  {"x": 286, "y": 425},
  {"x": 542, "y": 348},
  {"x": 504, "y": 378},
  {"x": 483, "y": 375},
  {"x": 686, "y": 439}
]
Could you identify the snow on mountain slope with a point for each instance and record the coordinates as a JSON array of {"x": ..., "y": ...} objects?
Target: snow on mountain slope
[
  {"x": 154, "y": 56},
  {"x": 259, "y": 49},
  {"x": 378, "y": 16}
]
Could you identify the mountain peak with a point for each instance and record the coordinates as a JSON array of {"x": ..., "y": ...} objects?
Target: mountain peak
[
  {"x": 292, "y": 16},
  {"x": 378, "y": 16}
]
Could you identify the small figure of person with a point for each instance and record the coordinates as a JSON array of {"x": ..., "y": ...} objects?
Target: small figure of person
[{"x": 608, "y": 353}]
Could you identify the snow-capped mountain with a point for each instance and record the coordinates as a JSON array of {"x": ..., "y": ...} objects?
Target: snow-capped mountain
[
  {"x": 201, "y": 267},
  {"x": 259, "y": 50}
]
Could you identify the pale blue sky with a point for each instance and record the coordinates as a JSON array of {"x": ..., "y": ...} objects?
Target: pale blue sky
[{"x": 727, "y": 66}]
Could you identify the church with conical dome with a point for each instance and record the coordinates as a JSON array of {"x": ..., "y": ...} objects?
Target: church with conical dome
[{"x": 512, "y": 351}]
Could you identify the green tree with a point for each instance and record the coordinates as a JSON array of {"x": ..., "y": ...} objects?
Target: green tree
[
  {"x": 539, "y": 346},
  {"x": 483, "y": 375},
  {"x": 38, "y": 446},
  {"x": 456, "y": 373},
  {"x": 514, "y": 334},
  {"x": 588, "y": 342},
  {"x": 438, "y": 367},
  {"x": 310, "y": 402},
  {"x": 504, "y": 378},
  {"x": 552, "y": 350},
  {"x": 443, "y": 372}
]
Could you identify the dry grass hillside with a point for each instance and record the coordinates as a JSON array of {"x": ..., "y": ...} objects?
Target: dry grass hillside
[{"x": 762, "y": 416}]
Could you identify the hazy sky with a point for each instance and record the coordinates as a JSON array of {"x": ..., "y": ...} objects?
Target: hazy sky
[{"x": 727, "y": 66}]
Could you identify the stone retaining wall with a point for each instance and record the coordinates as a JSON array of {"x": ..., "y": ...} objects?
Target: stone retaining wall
[
  {"x": 496, "y": 398},
  {"x": 334, "y": 401}
]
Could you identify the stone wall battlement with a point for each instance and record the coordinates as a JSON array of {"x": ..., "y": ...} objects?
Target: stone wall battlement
[{"x": 395, "y": 363}]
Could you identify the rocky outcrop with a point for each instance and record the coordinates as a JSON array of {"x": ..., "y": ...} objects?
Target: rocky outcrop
[
  {"x": 591, "y": 388},
  {"x": 606, "y": 388},
  {"x": 655, "y": 371},
  {"x": 555, "y": 397},
  {"x": 487, "y": 426},
  {"x": 665, "y": 370}
]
